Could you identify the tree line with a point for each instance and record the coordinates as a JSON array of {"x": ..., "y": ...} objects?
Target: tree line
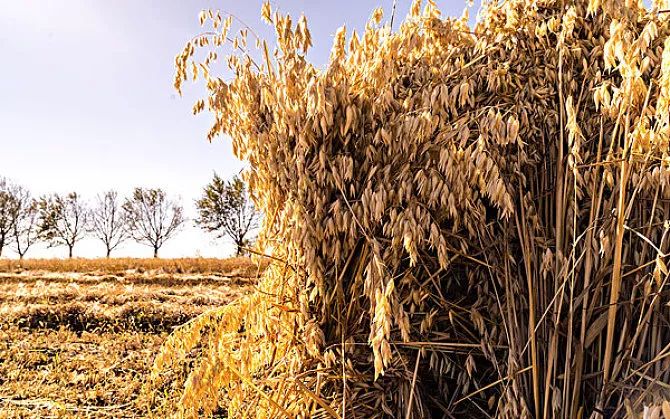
[{"x": 147, "y": 216}]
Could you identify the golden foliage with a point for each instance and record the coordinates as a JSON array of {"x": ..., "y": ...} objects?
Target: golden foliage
[{"x": 490, "y": 206}]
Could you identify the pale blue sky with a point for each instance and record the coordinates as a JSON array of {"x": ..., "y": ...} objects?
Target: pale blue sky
[{"x": 87, "y": 104}]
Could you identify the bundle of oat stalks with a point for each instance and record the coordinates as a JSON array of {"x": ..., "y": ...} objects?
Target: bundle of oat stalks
[{"x": 470, "y": 221}]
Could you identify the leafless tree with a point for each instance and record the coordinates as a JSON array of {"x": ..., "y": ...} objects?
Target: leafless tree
[
  {"x": 26, "y": 228},
  {"x": 152, "y": 217},
  {"x": 8, "y": 204},
  {"x": 63, "y": 220},
  {"x": 226, "y": 209},
  {"x": 108, "y": 221}
]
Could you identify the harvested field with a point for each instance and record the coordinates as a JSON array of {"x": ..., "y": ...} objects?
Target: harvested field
[
  {"x": 80, "y": 344},
  {"x": 124, "y": 266}
]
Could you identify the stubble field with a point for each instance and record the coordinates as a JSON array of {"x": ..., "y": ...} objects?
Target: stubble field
[{"x": 78, "y": 338}]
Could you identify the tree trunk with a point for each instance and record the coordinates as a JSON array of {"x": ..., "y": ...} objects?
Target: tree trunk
[
  {"x": 2, "y": 244},
  {"x": 70, "y": 249},
  {"x": 109, "y": 252},
  {"x": 156, "y": 251}
]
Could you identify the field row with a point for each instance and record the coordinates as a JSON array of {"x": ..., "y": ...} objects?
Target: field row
[
  {"x": 82, "y": 344},
  {"x": 239, "y": 266}
]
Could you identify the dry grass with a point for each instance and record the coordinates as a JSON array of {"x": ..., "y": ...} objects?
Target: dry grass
[
  {"x": 474, "y": 221},
  {"x": 61, "y": 373},
  {"x": 81, "y": 344},
  {"x": 243, "y": 265}
]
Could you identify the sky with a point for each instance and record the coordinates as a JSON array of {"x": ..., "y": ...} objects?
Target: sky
[{"x": 87, "y": 103}]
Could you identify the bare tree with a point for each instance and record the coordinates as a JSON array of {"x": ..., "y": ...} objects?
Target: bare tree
[
  {"x": 152, "y": 217},
  {"x": 63, "y": 220},
  {"x": 226, "y": 209},
  {"x": 8, "y": 205},
  {"x": 108, "y": 221},
  {"x": 26, "y": 228}
]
